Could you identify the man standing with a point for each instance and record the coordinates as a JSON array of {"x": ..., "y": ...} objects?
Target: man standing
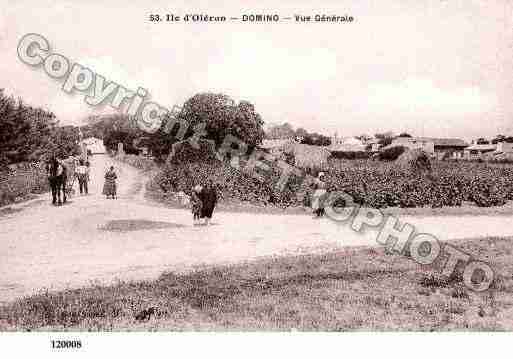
[{"x": 82, "y": 175}]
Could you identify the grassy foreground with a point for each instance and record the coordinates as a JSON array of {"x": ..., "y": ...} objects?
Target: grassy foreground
[{"x": 352, "y": 289}]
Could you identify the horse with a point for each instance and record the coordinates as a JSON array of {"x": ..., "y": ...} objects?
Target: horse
[{"x": 57, "y": 179}]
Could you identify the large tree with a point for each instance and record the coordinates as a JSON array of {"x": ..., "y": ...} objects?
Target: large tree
[
  {"x": 222, "y": 117},
  {"x": 502, "y": 138},
  {"x": 316, "y": 139}
]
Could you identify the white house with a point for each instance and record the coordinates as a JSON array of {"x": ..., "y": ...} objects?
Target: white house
[
  {"x": 346, "y": 144},
  {"x": 435, "y": 147},
  {"x": 478, "y": 151},
  {"x": 95, "y": 145},
  {"x": 504, "y": 147}
]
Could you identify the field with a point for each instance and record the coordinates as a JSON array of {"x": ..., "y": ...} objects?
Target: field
[
  {"x": 371, "y": 183},
  {"x": 352, "y": 289}
]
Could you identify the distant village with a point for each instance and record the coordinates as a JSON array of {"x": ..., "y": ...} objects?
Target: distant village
[
  {"x": 365, "y": 146},
  {"x": 499, "y": 148}
]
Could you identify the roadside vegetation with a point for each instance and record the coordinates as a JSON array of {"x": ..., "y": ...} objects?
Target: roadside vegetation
[
  {"x": 347, "y": 290},
  {"x": 371, "y": 183},
  {"x": 28, "y": 136},
  {"x": 21, "y": 182},
  {"x": 382, "y": 182}
]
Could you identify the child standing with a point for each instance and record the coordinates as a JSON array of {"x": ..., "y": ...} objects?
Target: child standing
[{"x": 196, "y": 204}]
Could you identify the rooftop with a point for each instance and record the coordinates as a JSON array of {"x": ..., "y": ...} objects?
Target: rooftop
[
  {"x": 437, "y": 141},
  {"x": 482, "y": 147}
]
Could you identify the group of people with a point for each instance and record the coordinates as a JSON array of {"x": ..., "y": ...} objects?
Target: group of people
[
  {"x": 82, "y": 173},
  {"x": 203, "y": 201},
  {"x": 63, "y": 173}
]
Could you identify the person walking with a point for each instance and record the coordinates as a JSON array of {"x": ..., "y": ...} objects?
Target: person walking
[
  {"x": 208, "y": 197},
  {"x": 196, "y": 204},
  {"x": 82, "y": 175},
  {"x": 318, "y": 196},
  {"x": 88, "y": 165},
  {"x": 109, "y": 187}
]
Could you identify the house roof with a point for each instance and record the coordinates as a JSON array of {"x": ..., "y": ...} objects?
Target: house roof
[
  {"x": 267, "y": 144},
  {"x": 346, "y": 147},
  {"x": 346, "y": 140},
  {"x": 455, "y": 142},
  {"x": 481, "y": 147}
]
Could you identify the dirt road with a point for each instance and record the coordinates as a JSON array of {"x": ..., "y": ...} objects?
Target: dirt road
[{"x": 95, "y": 240}]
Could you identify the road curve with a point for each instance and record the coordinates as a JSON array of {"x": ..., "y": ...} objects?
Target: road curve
[{"x": 95, "y": 240}]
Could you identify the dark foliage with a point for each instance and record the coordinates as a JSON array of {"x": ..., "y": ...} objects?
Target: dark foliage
[
  {"x": 31, "y": 134},
  {"x": 392, "y": 153}
]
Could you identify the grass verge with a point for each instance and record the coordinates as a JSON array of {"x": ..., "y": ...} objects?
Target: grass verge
[{"x": 352, "y": 289}]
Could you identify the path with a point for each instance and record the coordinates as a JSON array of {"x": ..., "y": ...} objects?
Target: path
[{"x": 93, "y": 239}]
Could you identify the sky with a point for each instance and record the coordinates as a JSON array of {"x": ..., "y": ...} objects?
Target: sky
[{"x": 427, "y": 67}]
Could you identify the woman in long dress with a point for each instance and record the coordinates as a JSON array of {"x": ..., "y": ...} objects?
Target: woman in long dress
[
  {"x": 196, "y": 204},
  {"x": 318, "y": 195},
  {"x": 109, "y": 188},
  {"x": 208, "y": 197}
]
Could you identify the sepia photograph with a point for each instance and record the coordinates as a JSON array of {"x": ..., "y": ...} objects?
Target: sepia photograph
[{"x": 289, "y": 168}]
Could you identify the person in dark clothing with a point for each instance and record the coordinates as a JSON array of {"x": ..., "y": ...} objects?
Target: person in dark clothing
[
  {"x": 208, "y": 196},
  {"x": 196, "y": 204}
]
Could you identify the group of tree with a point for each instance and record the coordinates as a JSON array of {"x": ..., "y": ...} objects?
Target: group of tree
[
  {"x": 29, "y": 133},
  {"x": 215, "y": 116},
  {"x": 494, "y": 141},
  {"x": 286, "y": 131},
  {"x": 385, "y": 138},
  {"x": 502, "y": 138}
]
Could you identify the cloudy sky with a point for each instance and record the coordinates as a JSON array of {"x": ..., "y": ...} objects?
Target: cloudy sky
[{"x": 433, "y": 68}]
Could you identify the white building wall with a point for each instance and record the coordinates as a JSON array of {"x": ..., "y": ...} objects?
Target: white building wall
[{"x": 504, "y": 147}]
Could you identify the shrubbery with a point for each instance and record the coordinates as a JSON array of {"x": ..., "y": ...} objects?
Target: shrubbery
[
  {"x": 357, "y": 155},
  {"x": 140, "y": 162},
  {"x": 370, "y": 183},
  {"x": 391, "y": 153},
  {"x": 25, "y": 179}
]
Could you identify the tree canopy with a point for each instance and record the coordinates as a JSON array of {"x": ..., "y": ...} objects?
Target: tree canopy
[
  {"x": 502, "y": 138},
  {"x": 220, "y": 114},
  {"x": 286, "y": 131},
  {"x": 29, "y": 133}
]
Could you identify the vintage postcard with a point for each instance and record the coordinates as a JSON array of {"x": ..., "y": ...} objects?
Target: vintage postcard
[{"x": 254, "y": 166}]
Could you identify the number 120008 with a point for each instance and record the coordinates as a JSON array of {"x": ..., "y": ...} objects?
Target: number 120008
[{"x": 66, "y": 344}]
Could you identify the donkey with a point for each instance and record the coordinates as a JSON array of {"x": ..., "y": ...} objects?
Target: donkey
[{"x": 57, "y": 179}]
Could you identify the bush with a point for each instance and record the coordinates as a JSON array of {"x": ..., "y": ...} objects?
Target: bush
[
  {"x": 21, "y": 181},
  {"x": 351, "y": 155},
  {"x": 140, "y": 162},
  {"x": 415, "y": 161},
  {"x": 370, "y": 183},
  {"x": 391, "y": 153}
]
